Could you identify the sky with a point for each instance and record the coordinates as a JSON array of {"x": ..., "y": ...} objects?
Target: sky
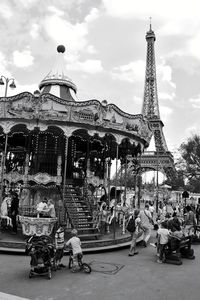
[{"x": 106, "y": 53}]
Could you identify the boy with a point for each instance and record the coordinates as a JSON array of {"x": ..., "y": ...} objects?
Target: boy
[
  {"x": 59, "y": 244},
  {"x": 75, "y": 245},
  {"x": 163, "y": 237}
]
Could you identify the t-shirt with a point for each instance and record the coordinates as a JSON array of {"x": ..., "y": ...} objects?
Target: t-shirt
[
  {"x": 164, "y": 235},
  {"x": 75, "y": 243},
  {"x": 145, "y": 216}
]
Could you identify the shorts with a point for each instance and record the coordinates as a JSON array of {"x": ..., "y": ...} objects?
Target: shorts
[{"x": 59, "y": 254}]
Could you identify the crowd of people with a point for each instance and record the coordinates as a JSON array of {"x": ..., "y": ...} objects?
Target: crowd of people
[{"x": 179, "y": 222}]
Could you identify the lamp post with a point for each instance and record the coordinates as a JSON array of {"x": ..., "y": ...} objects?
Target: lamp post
[{"x": 6, "y": 80}]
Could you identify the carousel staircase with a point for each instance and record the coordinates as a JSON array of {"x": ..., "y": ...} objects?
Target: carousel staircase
[{"x": 79, "y": 213}]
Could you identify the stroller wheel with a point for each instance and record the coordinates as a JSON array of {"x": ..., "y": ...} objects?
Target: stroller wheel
[
  {"x": 49, "y": 273},
  {"x": 30, "y": 274}
]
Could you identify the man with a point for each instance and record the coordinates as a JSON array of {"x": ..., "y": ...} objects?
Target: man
[
  {"x": 190, "y": 221},
  {"x": 146, "y": 223},
  {"x": 14, "y": 211},
  {"x": 151, "y": 209}
]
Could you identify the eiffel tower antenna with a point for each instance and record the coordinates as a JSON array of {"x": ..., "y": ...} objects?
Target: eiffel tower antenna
[{"x": 150, "y": 22}]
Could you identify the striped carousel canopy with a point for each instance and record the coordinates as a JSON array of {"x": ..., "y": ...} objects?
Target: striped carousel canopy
[{"x": 56, "y": 82}]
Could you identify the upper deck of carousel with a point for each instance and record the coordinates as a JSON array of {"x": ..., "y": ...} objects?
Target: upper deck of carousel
[{"x": 56, "y": 103}]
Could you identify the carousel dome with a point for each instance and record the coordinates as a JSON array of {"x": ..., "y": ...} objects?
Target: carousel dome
[{"x": 56, "y": 82}]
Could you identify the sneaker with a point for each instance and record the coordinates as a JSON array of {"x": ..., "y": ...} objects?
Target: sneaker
[
  {"x": 159, "y": 261},
  {"x": 153, "y": 245},
  {"x": 132, "y": 254},
  {"x": 144, "y": 244}
]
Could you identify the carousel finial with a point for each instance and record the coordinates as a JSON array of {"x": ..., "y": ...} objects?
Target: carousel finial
[{"x": 61, "y": 49}]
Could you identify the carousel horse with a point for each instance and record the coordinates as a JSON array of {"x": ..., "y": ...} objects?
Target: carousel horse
[
  {"x": 4, "y": 211},
  {"x": 121, "y": 212}
]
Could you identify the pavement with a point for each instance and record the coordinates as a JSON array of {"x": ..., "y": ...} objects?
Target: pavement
[{"x": 114, "y": 276}]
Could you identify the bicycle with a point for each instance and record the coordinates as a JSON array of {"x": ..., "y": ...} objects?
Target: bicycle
[{"x": 84, "y": 267}]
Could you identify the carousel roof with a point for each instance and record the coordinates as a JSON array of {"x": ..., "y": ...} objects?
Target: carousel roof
[{"x": 56, "y": 82}]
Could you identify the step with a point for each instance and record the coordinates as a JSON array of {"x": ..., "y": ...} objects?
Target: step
[{"x": 89, "y": 236}]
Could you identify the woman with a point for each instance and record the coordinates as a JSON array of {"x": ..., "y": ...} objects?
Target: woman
[{"x": 135, "y": 235}]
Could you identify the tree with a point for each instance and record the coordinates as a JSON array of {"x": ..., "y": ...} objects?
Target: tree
[{"x": 189, "y": 163}]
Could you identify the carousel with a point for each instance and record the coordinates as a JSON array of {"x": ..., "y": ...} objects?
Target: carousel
[{"x": 54, "y": 146}]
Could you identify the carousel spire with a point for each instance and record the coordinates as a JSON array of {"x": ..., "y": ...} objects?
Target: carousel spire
[{"x": 56, "y": 82}]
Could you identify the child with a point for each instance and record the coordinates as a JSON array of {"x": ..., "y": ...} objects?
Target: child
[
  {"x": 75, "y": 245},
  {"x": 163, "y": 237},
  {"x": 59, "y": 244}
]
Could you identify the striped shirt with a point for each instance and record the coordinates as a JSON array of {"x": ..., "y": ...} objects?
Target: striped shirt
[{"x": 59, "y": 239}]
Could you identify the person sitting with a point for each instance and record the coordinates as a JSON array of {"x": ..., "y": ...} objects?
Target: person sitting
[
  {"x": 51, "y": 209},
  {"x": 42, "y": 207},
  {"x": 75, "y": 244}
]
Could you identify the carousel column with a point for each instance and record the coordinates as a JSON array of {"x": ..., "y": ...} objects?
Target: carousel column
[
  {"x": 114, "y": 227},
  {"x": 125, "y": 185},
  {"x": 26, "y": 169},
  {"x": 108, "y": 179},
  {"x": 61, "y": 217},
  {"x": 3, "y": 165}
]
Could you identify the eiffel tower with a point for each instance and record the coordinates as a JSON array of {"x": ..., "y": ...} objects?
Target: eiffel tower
[{"x": 161, "y": 159}]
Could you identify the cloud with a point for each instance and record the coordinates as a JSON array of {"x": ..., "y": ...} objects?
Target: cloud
[
  {"x": 23, "y": 59},
  {"x": 92, "y": 16},
  {"x": 195, "y": 102},
  {"x": 5, "y": 11},
  {"x": 34, "y": 32},
  {"x": 165, "y": 73},
  {"x": 179, "y": 9},
  {"x": 191, "y": 130},
  {"x": 166, "y": 96},
  {"x": 132, "y": 72},
  {"x": 20, "y": 88},
  {"x": 91, "y": 66},
  {"x": 166, "y": 113}
]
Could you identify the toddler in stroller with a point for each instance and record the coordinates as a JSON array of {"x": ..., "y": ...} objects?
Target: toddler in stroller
[{"x": 42, "y": 252}]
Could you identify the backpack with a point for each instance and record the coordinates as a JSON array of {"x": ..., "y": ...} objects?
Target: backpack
[{"x": 131, "y": 225}]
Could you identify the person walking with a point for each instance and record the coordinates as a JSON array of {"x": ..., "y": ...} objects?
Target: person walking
[
  {"x": 14, "y": 211},
  {"x": 146, "y": 223},
  {"x": 136, "y": 234}
]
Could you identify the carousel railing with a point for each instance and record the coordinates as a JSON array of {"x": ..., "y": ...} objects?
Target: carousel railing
[
  {"x": 28, "y": 211},
  {"x": 72, "y": 211}
]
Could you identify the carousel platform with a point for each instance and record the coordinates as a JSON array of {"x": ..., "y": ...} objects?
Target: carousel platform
[{"x": 15, "y": 244}]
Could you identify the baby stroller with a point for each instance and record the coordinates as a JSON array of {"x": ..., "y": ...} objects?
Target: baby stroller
[
  {"x": 42, "y": 252},
  {"x": 178, "y": 248}
]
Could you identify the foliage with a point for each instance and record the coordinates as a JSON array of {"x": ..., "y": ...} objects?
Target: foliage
[{"x": 189, "y": 163}]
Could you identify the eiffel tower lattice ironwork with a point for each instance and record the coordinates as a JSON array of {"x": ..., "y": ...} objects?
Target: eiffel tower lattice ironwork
[{"x": 161, "y": 159}]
